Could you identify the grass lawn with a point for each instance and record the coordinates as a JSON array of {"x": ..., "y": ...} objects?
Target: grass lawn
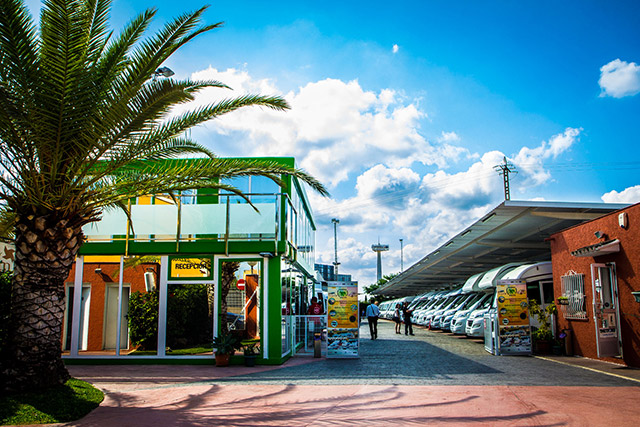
[{"x": 69, "y": 402}]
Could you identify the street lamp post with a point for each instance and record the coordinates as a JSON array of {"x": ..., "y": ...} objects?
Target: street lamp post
[
  {"x": 401, "y": 257},
  {"x": 335, "y": 222}
]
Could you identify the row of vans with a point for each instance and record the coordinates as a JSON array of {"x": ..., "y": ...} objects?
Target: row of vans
[{"x": 462, "y": 309}]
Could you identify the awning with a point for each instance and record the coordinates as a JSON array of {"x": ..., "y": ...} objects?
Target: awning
[
  {"x": 514, "y": 231},
  {"x": 599, "y": 249}
]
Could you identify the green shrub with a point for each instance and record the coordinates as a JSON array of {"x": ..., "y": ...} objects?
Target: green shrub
[
  {"x": 188, "y": 320},
  {"x": 543, "y": 333},
  {"x": 143, "y": 319}
]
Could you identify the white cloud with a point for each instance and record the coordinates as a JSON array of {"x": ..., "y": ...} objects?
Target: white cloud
[
  {"x": 619, "y": 79},
  {"x": 449, "y": 137},
  {"x": 371, "y": 142},
  {"x": 395, "y": 48},
  {"x": 529, "y": 161},
  {"x": 628, "y": 195},
  {"x": 334, "y": 128}
]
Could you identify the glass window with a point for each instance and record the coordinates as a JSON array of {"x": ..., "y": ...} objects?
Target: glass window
[
  {"x": 572, "y": 286},
  {"x": 547, "y": 290},
  {"x": 242, "y": 183},
  {"x": 239, "y": 297},
  {"x": 286, "y": 274},
  {"x": 533, "y": 292},
  {"x": 189, "y": 319},
  {"x": 262, "y": 184}
]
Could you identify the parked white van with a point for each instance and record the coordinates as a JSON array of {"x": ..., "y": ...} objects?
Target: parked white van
[{"x": 539, "y": 281}]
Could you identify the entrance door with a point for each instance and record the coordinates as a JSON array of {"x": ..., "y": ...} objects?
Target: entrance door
[
  {"x": 111, "y": 319},
  {"x": 605, "y": 310}
]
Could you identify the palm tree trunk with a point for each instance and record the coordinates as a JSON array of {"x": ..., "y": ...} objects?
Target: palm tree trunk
[{"x": 46, "y": 249}]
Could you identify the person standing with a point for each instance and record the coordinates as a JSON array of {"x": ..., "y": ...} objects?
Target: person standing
[
  {"x": 373, "y": 312},
  {"x": 396, "y": 318},
  {"x": 406, "y": 315},
  {"x": 315, "y": 309}
]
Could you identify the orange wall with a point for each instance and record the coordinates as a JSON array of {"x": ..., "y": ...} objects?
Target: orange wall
[
  {"x": 627, "y": 263},
  {"x": 98, "y": 282}
]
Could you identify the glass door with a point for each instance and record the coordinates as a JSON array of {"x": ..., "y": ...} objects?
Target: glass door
[
  {"x": 239, "y": 312},
  {"x": 605, "y": 310}
]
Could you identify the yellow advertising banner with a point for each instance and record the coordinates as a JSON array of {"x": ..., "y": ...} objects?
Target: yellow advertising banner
[
  {"x": 514, "y": 332},
  {"x": 342, "y": 319},
  {"x": 513, "y": 306}
]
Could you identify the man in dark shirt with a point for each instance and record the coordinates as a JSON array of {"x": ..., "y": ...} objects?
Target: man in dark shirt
[
  {"x": 373, "y": 312},
  {"x": 406, "y": 315}
]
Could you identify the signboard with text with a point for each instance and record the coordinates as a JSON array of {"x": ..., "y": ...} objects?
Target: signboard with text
[
  {"x": 514, "y": 331},
  {"x": 342, "y": 320},
  {"x": 190, "y": 268}
]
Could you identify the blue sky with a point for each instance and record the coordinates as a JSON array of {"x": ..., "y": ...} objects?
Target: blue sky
[{"x": 402, "y": 108}]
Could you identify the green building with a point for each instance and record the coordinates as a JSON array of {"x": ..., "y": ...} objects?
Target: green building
[{"x": 190, "y": 241}]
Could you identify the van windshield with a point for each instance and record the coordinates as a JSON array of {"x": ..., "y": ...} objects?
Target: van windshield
[{"x": 471, "y": 301}]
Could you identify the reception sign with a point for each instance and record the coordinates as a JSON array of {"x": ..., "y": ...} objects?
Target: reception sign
[
  {"x": 514, "y": 332},
  {"x": 190, "y": 268},
  {"x": 342, "y": 320}
]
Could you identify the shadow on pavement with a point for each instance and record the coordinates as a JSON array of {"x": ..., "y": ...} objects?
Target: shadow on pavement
[{"x": 225, "y": 405}]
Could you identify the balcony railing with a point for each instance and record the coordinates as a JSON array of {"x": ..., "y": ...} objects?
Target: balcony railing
[{"x": 229, "y": 218}]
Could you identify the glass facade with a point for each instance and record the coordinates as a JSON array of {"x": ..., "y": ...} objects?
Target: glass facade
[
  {"x": 158, "y": 311},
  {"x": 195, "y": 216}
]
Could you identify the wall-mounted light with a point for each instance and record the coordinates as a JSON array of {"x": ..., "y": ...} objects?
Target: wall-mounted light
[
  {"x": 149, "y": 281},
  {"x": 623, "y": 220},
  {"x": 600, "y": 235},
  {"x": 636, "y": 295},
  {"x": 266, "y": 254},
  {"x": 98, "y": 270}
]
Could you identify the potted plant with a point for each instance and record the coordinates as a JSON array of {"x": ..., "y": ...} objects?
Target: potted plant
[
  {"x": 251, "y": 351},
  {"x": 225, "y": 344},
  {"x": 562, "y": 300},
  {"x": 543, "y": 336}
]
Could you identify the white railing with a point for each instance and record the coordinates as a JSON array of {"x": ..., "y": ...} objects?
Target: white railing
[
  {"x": 184, "y": 219},
  {"x": 306, "y": 329}
]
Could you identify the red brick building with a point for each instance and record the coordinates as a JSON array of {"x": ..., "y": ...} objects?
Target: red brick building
[{"x": 596, "y": 267}]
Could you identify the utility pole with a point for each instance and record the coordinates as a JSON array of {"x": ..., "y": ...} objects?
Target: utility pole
[
  {"x": 401, "y": 257},
  {"x": 504, "y": 169},
  {"x": 335, "y": 222}
]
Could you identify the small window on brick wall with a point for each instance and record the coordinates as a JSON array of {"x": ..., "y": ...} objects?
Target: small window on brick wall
[{"x": 573, "y": 293}]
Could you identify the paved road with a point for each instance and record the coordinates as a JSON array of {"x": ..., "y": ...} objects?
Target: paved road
[
  {"x": 431, "y": 378},
  {"x": 430, "y": 358}
]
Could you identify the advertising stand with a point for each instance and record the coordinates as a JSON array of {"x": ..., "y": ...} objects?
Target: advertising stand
[
  {"x": 342, "y": 320},
  {"x": 513, "y": 329}
]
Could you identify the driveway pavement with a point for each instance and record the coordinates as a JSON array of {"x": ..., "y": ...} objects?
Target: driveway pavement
[{"x": 430, "y": 378}]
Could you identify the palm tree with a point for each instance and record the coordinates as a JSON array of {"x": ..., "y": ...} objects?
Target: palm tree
[{"x": 83, "y": 126}]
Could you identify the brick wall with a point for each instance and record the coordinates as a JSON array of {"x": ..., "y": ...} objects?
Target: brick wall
[{"x": 627, "y": 263}]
